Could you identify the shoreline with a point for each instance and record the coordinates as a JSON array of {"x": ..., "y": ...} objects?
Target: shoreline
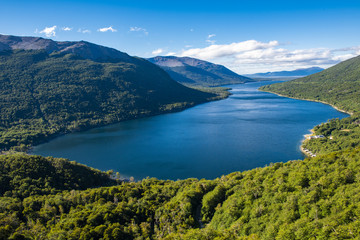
[
  {"x": 308, "y": 154},
  {"x": 311, "y": 100},
  {"x": 220, "y": 96}
]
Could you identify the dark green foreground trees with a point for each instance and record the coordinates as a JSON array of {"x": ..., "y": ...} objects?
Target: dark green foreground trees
[{"x": 317, "y": 198}]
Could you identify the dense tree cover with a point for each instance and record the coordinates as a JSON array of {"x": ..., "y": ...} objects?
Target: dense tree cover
[
  {"x": 338, "y": 86},
  {"x": 22, "y": 176},
  {"x": 43, "y": 95},
  {"x": 339, "y": 135},
  {"x": 49, "y": 198},
  {"x": 317, "y": 198}
]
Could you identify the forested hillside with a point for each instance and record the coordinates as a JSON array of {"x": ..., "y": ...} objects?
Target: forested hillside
[
  {"x": 22, "y": 176},
  {"x": 49, "y": 198},
  {"x": 46, "y": 94},
  {"x": 316, "y": 198},
  {"x": 338, "y": 86}
]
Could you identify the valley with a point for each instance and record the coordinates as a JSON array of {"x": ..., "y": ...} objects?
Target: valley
[{"x": 52, "y": 88}]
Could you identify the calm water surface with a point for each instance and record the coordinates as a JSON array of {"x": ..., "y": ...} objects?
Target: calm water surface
[{"x": 249, "y": 129}]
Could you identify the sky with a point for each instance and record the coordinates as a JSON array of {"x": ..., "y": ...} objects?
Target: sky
[{"x": 245, "y": 36}]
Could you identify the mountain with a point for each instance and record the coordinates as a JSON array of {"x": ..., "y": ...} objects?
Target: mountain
[
  {"x": 49, "y": 88},
  {"x": 82, "y": 49},
  {"x": 295, "y": 73},
  {"x": 196, "y": 72},
  {"x": 338, "y": 85}
]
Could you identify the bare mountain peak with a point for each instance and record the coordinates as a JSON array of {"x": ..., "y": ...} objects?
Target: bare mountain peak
[
  {"x": 82, "y": 48},
  {"x": 194, "y": 71}
]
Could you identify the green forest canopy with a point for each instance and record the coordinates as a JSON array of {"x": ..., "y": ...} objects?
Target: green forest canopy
[
  {"x": 317, "y": 198},
  {"x": 43, "y": 95},
  {"x": 314, "y": 198}
]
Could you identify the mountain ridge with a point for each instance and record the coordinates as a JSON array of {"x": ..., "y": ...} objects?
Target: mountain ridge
[
  {"x": 194, "y": 71},
  {"x": 300, "y": 72},
  {"x": 50, "y": 88},
  {"x": 80, "y": 48}
]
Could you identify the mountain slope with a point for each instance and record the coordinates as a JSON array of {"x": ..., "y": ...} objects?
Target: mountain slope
[
  {"x": 44, "y": 94},
  {"x": 193, "y": 71},
  {"x": 338, "y": 85},
  {"x": 302, "y": 72},
  {"x": 22, "y": 176},
  {"x": 82, "y": 49},
  {"x": 318, "y": 198}
]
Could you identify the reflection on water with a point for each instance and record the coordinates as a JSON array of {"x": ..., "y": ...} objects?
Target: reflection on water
[{"x": 249, "y": 129}]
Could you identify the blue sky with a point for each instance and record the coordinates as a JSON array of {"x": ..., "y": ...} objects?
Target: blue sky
[{"x": 246, "y": 36}]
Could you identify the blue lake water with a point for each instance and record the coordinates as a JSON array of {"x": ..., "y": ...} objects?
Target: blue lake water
[{"x": 247, "y": 130}]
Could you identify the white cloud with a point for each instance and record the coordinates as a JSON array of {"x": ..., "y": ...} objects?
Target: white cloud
[
  {"x": 212, "y": 42},
  {"x": 139, "y": 29},
  {"x": 66, "y": 29},
  {"x": 170, "y": 54},
  {"x": 215, "y": 51},
  {"x": 157, "y": 51},
  {"x": 49, "y": 31},
  {"x": 209, "y": 40},
  {"x": 106, "y": 29},
  {"x": 254, "y": 56},
  {"x": 83, "y": 30}
]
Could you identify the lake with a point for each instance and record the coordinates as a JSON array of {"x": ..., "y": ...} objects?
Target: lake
[{"x": 247, "y": 130}]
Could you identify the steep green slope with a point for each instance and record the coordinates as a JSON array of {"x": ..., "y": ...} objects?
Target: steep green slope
[
  {"x": 43, "y": 95},
  {"x": 338, "y": 85},
  {"x": 22, "y": 176},
  {"x": 318, "y": 198},
  {"x": 196, "y": 72}
]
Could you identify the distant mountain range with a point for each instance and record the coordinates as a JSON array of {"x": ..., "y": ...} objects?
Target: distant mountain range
[
  {"x": 338, "y": 85},
  {"x": 49, "y": 88},
  {"x": 192, "y": 71},
  {"x": 302, "y": 72}
]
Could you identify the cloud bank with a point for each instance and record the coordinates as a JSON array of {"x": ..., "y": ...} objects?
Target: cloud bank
[{"x": 254, "y": 56}]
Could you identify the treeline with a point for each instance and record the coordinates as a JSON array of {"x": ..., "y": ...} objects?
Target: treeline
[
  {"x": 338, "y": 135},
  {"x": 339, "y": 86},
  {"x": 22, "y": 176},
  {"x": 43, "y": 95},
  {"x": 314, "y": 198}
]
